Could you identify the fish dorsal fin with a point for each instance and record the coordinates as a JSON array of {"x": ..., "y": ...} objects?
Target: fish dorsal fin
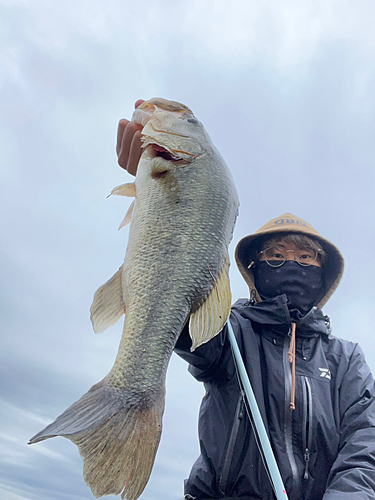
[
  {"x": 124, "y": 190},
  {"x": 211, "y": 317},
  {"x": 108, "y": 305},
  {"x": 128, "y": 216}
]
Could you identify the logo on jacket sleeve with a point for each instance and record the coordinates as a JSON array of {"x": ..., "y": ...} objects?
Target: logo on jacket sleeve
[{"x": 325, "y": 373}]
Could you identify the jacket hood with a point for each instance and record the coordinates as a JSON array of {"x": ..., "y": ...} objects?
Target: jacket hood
[{"x": 288, "y": 223}]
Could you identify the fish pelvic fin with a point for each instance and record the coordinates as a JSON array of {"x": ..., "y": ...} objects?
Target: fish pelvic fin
[
  {"x": 117, "y": 434},
  {"x": 108, "y": 306},
  {"x": 125, "y": 190},
  {"x": 211, "y": 317},
  {"x": 128, "y": 217}
]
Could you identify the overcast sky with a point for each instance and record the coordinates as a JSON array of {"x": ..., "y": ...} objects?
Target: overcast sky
[{"x": 286, "y": 91}]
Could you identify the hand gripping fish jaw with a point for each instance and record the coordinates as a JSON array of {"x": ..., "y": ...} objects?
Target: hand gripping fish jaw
[{"x": 175, "y": 272}]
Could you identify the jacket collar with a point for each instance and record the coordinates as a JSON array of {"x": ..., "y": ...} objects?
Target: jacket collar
[{"x": 275, "y": 312}]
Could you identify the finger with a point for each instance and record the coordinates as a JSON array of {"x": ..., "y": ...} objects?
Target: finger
[
  {"x": 138, "y": 103},
  {"x": 126, "y": 141},
  {"x": 122, "y": 124},
  {"x": 135, "y": 153}
]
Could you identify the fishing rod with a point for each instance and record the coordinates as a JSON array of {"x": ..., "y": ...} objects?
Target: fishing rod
[{"x": 265, "y": 444}]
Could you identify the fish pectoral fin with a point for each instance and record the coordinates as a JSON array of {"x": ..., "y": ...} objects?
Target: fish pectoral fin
[
  {"x": 124, "y": 190},
  {"x": 211, "y": 317},
  {"x": 108, "y": 305},
  {"x": 128, "y": 216}
]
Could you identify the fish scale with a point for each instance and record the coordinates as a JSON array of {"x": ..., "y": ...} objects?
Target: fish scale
[{"x": 175, "y": 272}]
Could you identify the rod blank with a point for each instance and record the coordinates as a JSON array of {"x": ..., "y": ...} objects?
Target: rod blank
[{"x": 265, "y": 444}]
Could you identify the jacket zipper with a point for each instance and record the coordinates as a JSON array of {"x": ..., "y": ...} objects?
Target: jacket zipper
[
  {"x": 307, "y": 424},
  {"x": 288, "y": 418},
  {"x": 223, "y": 483}
]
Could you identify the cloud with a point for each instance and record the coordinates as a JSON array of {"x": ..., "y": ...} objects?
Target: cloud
[{"x": 284, "y": 89}]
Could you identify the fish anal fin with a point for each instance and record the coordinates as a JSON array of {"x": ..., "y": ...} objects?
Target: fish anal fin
[
  {"x": 128, "y": 216},
  {"x": 124, "y": 190},
  {"x": 108, "y": 306},
  {"x": 211, "y": 317}
]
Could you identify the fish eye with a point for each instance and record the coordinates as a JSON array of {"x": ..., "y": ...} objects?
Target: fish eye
[{"x": 194, "y": 121}]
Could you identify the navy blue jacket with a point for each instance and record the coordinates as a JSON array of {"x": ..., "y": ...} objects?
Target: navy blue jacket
[{"x": 325, "y": 448}]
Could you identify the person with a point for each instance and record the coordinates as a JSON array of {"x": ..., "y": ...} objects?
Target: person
[{"x": 315, "y": 391}]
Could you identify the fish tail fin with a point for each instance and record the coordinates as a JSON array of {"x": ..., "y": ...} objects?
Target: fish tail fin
[{"x": 117, "y": 434}]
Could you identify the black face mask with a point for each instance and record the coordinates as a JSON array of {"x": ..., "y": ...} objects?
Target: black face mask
[{"x": 301, "y": 284}]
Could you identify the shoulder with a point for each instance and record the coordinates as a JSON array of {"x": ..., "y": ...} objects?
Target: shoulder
[
  {"x": 240, "y": 315},
  {"x": 343, "y": 352},
  {"x": 242, "y": 310},
  {"x": 339, "y": 354},
  {"x": 244, "y": 327},
  {"x": 240, "y": 304},
  {"x": 340, "y": 349},
  {"x": 348, "y": 360}
]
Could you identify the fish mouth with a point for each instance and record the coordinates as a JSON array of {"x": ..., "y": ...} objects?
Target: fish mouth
[
  {"x": 154, "y": 150},
  {"x": 164, "y": 153}
]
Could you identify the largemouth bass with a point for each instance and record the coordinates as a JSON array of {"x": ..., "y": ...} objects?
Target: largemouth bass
[{"x": 175, "y": 271}]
